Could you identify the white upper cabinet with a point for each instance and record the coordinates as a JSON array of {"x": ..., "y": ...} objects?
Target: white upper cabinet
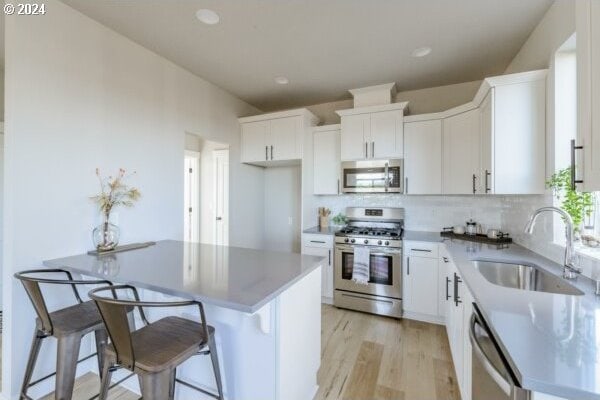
[
  {"x": 485, "y": 173},
  {"x": 284, "y": 139},
  {"x": 326, "y": 159},
  {"x": 254, "y": 141},
  {"x": 374, "y": 132},
  {"x": 588, "y": 95},
  {"x": 276, "y": 138},
  {"x": 355, "y": 137},
  {"x": 513, "y": 131},
  {"x": 461, "y": 153},
  {"x": 387, "y": 139},
  {"x": 423, "y": 157}
]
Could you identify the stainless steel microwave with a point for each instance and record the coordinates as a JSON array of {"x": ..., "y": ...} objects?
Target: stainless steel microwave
[{"x": 375, "y": 176}]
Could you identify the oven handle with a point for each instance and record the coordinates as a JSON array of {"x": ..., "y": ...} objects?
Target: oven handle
[
  {"x": 368, "y": 298},
  {"x": 374, "y": 253}
]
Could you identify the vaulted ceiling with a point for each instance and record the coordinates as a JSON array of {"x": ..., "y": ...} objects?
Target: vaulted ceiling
[{"x": 325, "y": 47}]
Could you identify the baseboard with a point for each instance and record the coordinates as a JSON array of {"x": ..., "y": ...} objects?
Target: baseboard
[
  {"x": 432, "y": 319},
  {"x": 327, "y": 300}
]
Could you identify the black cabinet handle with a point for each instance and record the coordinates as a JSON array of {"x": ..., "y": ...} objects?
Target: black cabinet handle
[
  {"x": 474, "y": 187},
  {"x": 448, "y": 288},
  {"x": 457, "y": 280},
  {"x": 271, "y": 152},
  {"x": 266, "y": 152},
  {"x": 366, "y": 150},
  {"x": 423, "y": 250},
  {"x": 487, "y": 175},
  {"x": 407, "y": 265},
  {"x": 317, "y": 241},
  {"x": 574, "y": 180},
  {"x": 329, "y": 251}
]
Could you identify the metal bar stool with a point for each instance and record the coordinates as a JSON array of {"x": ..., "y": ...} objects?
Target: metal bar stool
[
  {"x": 67, "y": 325},
  {"x": 156, "y": 350}
]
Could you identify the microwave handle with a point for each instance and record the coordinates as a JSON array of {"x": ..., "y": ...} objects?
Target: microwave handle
[{"x": 387, "y": 177}]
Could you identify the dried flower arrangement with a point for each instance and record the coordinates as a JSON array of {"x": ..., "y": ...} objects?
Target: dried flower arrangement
[{"x": 113, "y": 193}]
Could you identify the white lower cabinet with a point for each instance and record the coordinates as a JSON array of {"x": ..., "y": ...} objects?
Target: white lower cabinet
[
  {"x": 322, "y": 246},
  {"x": 420, "y": 281},
  {"x": 458, "y": 305}
]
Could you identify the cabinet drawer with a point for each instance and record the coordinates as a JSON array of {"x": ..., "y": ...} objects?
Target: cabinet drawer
[
  {"x": 421, "y": 249},
  {"x": 316, "y": 240}
]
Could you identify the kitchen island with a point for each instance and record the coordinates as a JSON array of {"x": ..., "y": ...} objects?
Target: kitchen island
[{"x": 264, "y": 305}]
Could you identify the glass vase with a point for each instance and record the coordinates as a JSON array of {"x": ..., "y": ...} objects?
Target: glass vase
[{"x": 106, "y": 236}]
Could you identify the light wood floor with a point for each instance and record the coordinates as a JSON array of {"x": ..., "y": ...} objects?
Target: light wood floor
[{"x": 364, "y": 357}]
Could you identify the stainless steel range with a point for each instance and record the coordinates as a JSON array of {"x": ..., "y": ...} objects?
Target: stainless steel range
[{"x": 379, "y": 229}]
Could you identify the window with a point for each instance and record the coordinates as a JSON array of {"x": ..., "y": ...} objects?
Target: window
[{"x": 565, "y": 130}]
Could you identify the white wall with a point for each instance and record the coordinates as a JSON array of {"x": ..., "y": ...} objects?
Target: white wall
[
  {"x": 421, "y": 101},
  {"x": 80, "y": 96},
  {"x": 282, "y": 203},
  {"x": 552, "y": 31}
]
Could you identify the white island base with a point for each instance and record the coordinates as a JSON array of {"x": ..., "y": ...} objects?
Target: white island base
[{"x": 272, "y": 354}]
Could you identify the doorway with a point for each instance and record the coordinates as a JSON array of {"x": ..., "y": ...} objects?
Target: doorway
[{"x": 206, "y": 191}]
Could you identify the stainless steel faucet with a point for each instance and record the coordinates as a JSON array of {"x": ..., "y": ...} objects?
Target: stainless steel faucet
[{"x": 571, "y": 271}]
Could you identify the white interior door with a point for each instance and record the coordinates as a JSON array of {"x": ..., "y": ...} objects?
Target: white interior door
[
  {"x": 191, "y": 219},
  {"x": 221, "y": 191}
]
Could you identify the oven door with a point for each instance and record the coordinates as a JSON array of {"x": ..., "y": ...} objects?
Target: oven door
[
  {"x": 379, "y": 176},
  {"x": 385, "y": 271}
]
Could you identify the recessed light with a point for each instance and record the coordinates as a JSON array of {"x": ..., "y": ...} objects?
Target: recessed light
[
  {"x": 282, "y": 80},
  {"x": 421, "y": 52},
  {"x": 207, "y": 16}
]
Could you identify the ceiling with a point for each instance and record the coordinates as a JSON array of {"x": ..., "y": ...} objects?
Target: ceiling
[{"x": 325, "y": 47}]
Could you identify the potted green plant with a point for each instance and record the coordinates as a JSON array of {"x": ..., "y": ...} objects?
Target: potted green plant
[{"x": 577, "y": 204}]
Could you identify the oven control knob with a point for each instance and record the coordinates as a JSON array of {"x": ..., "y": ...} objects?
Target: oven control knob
[
  {"x": 352, "y": 240},
  {"x": 379, "y": 242},
  {"x": 387, "y": 243},
  {"x": 366, "y": 241},
  {"x": 346, "y": 240}
]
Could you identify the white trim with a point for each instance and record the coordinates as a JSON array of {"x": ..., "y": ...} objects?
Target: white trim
[
  {"x": 327, "y": 300},
  {"x": 494, "y": 81},
  {"x": 432, "y": 319},
  {"x": 375, "y": 88},
  {"x": 442, "y": 114},
  {"x": 327, "y": 128},
  {"x": 372, "y": 109},
  {"x": 297, "y": 112}
]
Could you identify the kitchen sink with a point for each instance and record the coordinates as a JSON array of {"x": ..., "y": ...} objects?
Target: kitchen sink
[{"x": 524, "y": 277}]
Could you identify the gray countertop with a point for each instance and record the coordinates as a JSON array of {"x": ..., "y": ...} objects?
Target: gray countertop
[
  {"x": 328, "y": 230},
  {"x": 231, "y": 277},
  {"x": 422, "y": 236},
  {"x": 551, "y": 341}
]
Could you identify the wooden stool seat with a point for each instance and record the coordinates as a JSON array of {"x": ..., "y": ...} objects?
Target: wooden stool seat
[
  {"x": 68, "y": 326},
  {"x": 156, "y": 350},
  {"x": 166, "y": 343},
  {"x": 82, "y": 318}
]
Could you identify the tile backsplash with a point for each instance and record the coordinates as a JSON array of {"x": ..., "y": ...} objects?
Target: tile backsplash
[{"x": 432, "y": 213}]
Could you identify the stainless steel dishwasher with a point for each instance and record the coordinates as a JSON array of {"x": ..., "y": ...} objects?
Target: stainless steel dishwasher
[{"x": 492, "y": 378}]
